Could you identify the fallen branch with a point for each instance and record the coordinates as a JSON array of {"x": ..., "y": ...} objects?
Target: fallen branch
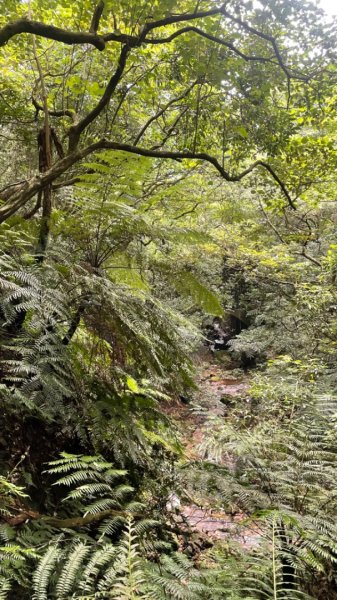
[{"x": 68, "y": 523}]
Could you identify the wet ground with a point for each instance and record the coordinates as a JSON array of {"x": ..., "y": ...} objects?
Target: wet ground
[
  {"x": 218, "y": 386},
  {"x": 218, "y": 525}
]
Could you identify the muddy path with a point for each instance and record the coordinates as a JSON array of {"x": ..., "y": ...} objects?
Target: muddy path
[{"x": 219, "y": 387}]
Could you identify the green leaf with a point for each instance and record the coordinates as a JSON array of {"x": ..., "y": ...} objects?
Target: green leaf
[
  {"x": 188, "y": 285},
  {"x": 132, "y": 384}
]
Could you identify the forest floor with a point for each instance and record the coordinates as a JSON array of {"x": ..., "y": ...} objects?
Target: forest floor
[{"x": 220, "y": 386}]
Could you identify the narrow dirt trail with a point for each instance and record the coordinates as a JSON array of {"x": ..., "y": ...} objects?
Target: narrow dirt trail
[{"x": 218, "y": 389}]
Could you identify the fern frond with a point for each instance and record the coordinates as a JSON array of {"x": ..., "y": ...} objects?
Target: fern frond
[
  {"x": 43, "y": 572},
  {"x": 70, "y": 573}
]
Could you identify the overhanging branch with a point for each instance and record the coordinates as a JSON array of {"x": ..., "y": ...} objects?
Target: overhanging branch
[
  {"x": 172, "y": 19},
  {"x": 76, "y": 130},
  {"x": 162, "y": 110},
  {"x": 49, "y": 32},
  {"x": 211, "y": 38},
  {"x": 203, "y": 156},
  {"x": 91, "y": 37},
  {"x": 268, "y": 38},
  {"x": 32, "y": 187},
  {"x": 96, "y": 17}
]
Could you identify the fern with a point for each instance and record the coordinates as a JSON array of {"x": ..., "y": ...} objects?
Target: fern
[
  {"x": 68, "y": 577},
  {"x": 100, "y": 559},
  {"x": 110, "y": 560},
  {"x": 187, "y": 284},
  {"x": 5, "y": 588},
  {"x": 120, "y": 571},
  {"x": 129, "y": 577},
  {"x": 42, "y": 574},
  {"x": 94, "y": 487},
  {"x": 274, "y": 577},
  {"x": 282, "y": 478},
  {"x": 177, "y": 577}
]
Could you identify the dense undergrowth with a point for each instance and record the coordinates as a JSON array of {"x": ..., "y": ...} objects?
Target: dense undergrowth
[{"x": 167, "y": 183}]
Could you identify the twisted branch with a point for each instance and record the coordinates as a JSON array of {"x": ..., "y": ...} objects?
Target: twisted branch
[{"x": 32, "y": 187}]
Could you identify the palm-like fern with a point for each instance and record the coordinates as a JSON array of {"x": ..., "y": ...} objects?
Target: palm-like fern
[
  {"x": 119, "y": 571},
  {"x": 93, "y": 489},
  {"x": 103, "y": 553},
  {"x": 34, "y": 313}
]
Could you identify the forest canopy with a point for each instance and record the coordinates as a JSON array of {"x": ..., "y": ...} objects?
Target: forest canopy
[{"x": 168, "y": 322}]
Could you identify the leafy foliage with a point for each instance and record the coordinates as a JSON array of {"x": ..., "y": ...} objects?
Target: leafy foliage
[{"x": 166, "y": 164}]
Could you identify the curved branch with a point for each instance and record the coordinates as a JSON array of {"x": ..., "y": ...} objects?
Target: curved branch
[
  {"x": 266, "y": 37},
  {"x": 278, "y": 181},
  {"x": 72, "y": 37},
  {"x": 209, "y": 37},
  {"x": 76, "y": 130},
  {"x": 54, "y": 113},
  {"x": 98, "y": 41},
  {"x": 40, "y": 181},
  {"x": 50, "y": 32},
  {"x": 203, "y": 156},
  {"x": 162, "y": 110},
  {"x": 172, "y": 19}
]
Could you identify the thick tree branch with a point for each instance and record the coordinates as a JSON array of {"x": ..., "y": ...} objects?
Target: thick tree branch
[
  {"x": 31, "y": 187},
  {"x": 96, "y": 17},
  {"x": 121, "y": 38},
  {"x": 76, "y": 130},
  {"x": 68, "y": 523},
  {"x": 9, "y": 190},
  {"x": 98, "y": 41},
  {"x": 38, "y": 182},
  {"x": 72, "y": 37},
  {"x": 66, "y": 182},
  {"x": 49, "y": 32}
]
